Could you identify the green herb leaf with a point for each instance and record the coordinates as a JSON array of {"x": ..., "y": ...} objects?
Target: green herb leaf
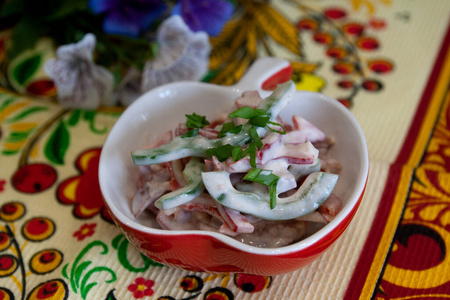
[
  {"x": 283, "y": 131},
  {"x": 250, "y": 151},
  {"x": 247, "y": 113},
  {"x": 254, "y": 135},
  {"x": 236, "y": 153},
  {"x": 262, "y": 176},
  {"x": 267, "y": 178},
  {"x": 273, "y": 195},
  {"x": 221, "y": 152},
  {"x": 196, "y": 121},
  {"x": 229, "y": 128},
  {"x": 259, "y": 121},
  {"x": 190, "y": 133}
]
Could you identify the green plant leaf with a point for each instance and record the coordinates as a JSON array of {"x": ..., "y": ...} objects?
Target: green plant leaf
[{"x": 57, "y": 144}]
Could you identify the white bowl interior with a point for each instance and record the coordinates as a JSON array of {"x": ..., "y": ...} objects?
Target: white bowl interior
[{"x": 163, "y": 108}]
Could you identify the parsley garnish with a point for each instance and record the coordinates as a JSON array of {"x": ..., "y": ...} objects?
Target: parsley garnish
[
  {"x": 256, "y": 118},
  {"x": 229, "y": 128},
  {"x": 221, "y": 152},
  {"x": 247, "y": 113},
  {"x": 194, "y": 122},
  {"x": 254, "y": 135},
  {"x": 267, "y": 178},
  {"x": 190, "y": 133}
]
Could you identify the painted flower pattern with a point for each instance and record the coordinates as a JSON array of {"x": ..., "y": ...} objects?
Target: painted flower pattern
[
  {"x": 183, "y": 55},
  {"x": 128, "y": 17},
  {"x": 85, "y": 231},
  {"x": 141, "y": 287},
  {"x": 83, "y": 190},
  {"x": 2, "y": 185},
  {"x": 204, "y": 15},
  {"x": 79, "y": 81}
]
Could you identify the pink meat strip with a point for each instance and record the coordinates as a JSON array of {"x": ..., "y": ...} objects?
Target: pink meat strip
[
  {"x": 232, "y": 221},
  {"x": 326, "y": 212}
]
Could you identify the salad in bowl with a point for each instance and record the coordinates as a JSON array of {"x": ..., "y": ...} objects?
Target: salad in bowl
[{"x": 234, "y": 179}]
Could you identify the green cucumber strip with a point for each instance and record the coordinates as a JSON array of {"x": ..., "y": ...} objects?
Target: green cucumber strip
[
  {"x": 197, "y": 146},
  {"x": 190, "y": 191},
  {"x": 302, "y": 170},
  {"x": 316, "y": 188}
]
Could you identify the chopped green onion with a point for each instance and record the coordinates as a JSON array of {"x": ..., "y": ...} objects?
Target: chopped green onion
[
  {"x": 283, "y": 131},
  {"x": 254, "y": 135},
  {"x": 221, "y": 152},
  {"x": 190, "y": 133},
  {"x": 236, "y": 153},
  {"x": 273, "y": 195},
  {"x": 229, "y": 128},
  {"x": 267, "y": 178},
  {"x": 196, "y": 121},
  {"x": 259, "y": 121},
  {"x": 250, "y": 151},
  {"x": 263, "y": 176},
  {"x": 247, "y": 113}
]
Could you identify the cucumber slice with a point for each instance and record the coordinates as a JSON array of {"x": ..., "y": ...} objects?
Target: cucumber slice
[
  {"x": 190, "y": 191},
  {"x": 316, "y": 188},
  {"x": 302, "y": 170},
  {"x": 197, "y": 146}
]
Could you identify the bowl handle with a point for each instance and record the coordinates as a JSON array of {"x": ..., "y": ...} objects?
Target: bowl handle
[{"x": 260, "y": 71}]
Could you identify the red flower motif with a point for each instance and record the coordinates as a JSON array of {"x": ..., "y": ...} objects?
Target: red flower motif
[
  {"x": 377, "y": 23},
  {"x": 141, "y": 287},
  {"x": 2, "y": 185},
  {"x": 83, "y": 190},
  {"x": 335, "y": 13},
  {"x": 85, "y": 231}
]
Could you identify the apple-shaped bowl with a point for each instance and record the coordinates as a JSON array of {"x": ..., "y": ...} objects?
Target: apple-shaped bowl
[{"x": 162, "y": 108}]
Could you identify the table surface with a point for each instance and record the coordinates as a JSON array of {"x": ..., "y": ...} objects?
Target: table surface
[{"x": 397, "y": 246}]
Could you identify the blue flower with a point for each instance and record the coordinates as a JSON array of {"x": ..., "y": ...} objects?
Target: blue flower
[
  {"x": 204, "y": 15},
  {"x": 128, "y": 17}
]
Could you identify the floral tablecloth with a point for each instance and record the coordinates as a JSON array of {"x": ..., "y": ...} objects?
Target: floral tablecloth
[{"x": 388, "y": 61}]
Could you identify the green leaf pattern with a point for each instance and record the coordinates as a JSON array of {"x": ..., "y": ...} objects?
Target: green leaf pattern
[{"x": 58, "y": 143}]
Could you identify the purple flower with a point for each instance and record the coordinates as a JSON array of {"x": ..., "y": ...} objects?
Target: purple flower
[
  {"x": 128, "y": 17},
  {"x": 204, "y": 15}
]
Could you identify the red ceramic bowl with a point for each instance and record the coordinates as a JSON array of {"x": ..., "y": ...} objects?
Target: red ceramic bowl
[{"x": 162, "y": 109}]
